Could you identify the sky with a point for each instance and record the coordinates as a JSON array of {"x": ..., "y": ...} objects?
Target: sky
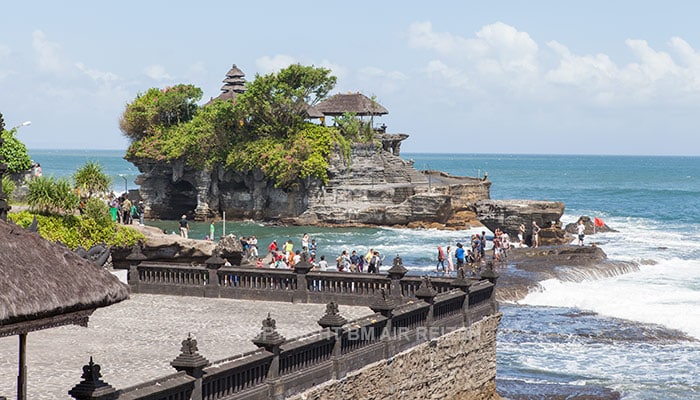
[{"x": 523, "y": 77}]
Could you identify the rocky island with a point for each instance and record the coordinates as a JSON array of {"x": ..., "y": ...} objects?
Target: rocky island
[{"x": 364, "y": 180}]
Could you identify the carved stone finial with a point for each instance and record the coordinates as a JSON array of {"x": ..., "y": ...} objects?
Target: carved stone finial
[
  {"x": 383, "y": 305},
  {"x": 397, "y": 270},
  {"x": 426, "y": 291},
  {"x": 92, "y": 387},
  {"x": 332, "y": 319},
  {"x": 189, "y": 345},
  {"x": 189, "y": 359},
  {"x": 268, "y": 337},
  {"x": 136, "y": 256}
]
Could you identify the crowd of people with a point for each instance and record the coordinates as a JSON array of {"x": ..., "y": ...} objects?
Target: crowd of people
[
  {"x": 124, "y": 211},
  {"x": 285, "y": 256}
]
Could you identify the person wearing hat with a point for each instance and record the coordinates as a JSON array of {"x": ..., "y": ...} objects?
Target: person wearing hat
[{"x": 184, "y": 226}]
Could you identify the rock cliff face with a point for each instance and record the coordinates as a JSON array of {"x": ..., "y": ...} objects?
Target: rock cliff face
[
  {"x": 374, "y": 187},
  {"x": 509, "y": 214}
]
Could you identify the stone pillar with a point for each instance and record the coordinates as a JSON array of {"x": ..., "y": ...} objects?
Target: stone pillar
[
  {"x": 334, "y": 322},
  {"x": 192, "y": 363},
  {"x": 135, "y": 258},
  {"x": 92, "y": 387},
  {"x": 462, "y": 284},
  {"x": 301, "y": 294},
  {"x": 386, "y": 308},
  {"x": 427, "y": 293},
  {"x": 203, "y": 181},
  {"x": 270, "y": 340},
  {"x": 213, "y": 264},
  {"x": 492, "y": 277},
  {"x": 396, "y": 273}
]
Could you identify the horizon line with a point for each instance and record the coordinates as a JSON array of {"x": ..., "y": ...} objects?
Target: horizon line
[{"x": 441, "y": 153}]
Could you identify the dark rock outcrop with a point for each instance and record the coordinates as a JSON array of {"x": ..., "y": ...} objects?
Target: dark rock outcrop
[
  {"x": 374, "y": 187},
  {"x": 509, "y": 214}
]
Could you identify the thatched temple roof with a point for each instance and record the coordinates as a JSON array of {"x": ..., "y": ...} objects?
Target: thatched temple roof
[
  {"x": 234, "y": 84},
  {"x": 356, "y": 103},
  {"x": 45, "y": 285}
]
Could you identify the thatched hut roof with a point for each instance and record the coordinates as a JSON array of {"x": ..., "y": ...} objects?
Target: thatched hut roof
[
  {"x": 356, "y": 103},
  {"x": 45, "y": 285}
]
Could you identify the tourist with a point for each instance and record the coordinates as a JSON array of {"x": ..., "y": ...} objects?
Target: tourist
[
  {"x": 497, "y": 245},
  {"x": 521, "y": 235},
  {"x": 354, "y": 261},
  {"x": 459, "y": 255},
  {"x": 369, "y": 255},
  {"x": 227, "y": 263},
  {"x": 126, "y": 211},
  {"x": 259, "y": 263},
  {"x": 184, "y": 226},
  {"x": 482, "y": 246},
  {"x": 305, "y": 243},
  {"x": 272, "y": 248},
  {"x": 141, "y": 210},
  {"x": 375, "y": 262},
  {"x": 361, "y": 264},
  {"x": 37, "y": 170},
  {"x": 505, "y": 244},
  {"x": 440, "y": 259},
  {"x": 323, "y": 264},
  {"x": 476, "y": 246},
  {"x": 211, "y": 230},
  {"x": 343, "y": 261},
  {"x": 581, "y": 230},
  {"x": 535, "y": 235},
  {"x": 448, "y": 253}
]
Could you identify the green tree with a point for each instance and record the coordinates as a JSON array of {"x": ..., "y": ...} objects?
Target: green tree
[
  {"x": 91, "y": 179},
  {"x": 159, "y": 108},
  {"x": 14, "y": 153},
  {"x": 275, "y": 104}
]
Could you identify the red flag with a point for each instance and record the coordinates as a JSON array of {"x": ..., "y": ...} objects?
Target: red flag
[{"x": 598, "y": 222}]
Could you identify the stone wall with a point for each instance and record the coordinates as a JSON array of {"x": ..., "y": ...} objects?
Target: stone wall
[{"x": 459, "y": 365}]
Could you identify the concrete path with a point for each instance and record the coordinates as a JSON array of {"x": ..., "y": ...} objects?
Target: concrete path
[{"x": 134, "y": 341}]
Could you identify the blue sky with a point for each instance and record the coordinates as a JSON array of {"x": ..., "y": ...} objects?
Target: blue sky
[{"x": 544, "y": 77}]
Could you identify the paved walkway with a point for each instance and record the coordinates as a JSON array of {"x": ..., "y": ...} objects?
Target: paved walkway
[{"x": 135, "y": 340}]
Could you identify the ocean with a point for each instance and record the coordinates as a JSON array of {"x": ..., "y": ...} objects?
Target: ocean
[{"x": 637, "y": 333}]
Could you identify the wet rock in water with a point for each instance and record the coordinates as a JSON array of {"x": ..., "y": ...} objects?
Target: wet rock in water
[
  {"x": 520, "y": 390},
  {"x": 509, "y": 214}
]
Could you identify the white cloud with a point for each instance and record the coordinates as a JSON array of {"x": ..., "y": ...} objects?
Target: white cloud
[
  {"x": 96, "y": 75},
  {"x": 48, "y": 53},
  {"x": 374, "y": 72},
  {"x": 498, "y": 58},
  {"x": 157, "y": 72},
  {"x": 274, "y": 63}
]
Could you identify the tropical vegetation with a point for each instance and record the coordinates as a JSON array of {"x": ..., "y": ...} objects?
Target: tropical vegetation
[{"x": 266, "y": 129}]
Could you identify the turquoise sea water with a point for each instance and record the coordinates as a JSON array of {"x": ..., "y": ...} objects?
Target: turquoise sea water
[{"x": 636, "y": 333}]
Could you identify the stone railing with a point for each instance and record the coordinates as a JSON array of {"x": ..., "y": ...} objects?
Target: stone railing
[
  {"x": 301, "y": 284},
  {"x": 281, "y": 368}
]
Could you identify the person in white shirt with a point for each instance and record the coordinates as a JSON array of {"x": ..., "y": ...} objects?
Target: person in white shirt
[{"x": 581, "y": 230}]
